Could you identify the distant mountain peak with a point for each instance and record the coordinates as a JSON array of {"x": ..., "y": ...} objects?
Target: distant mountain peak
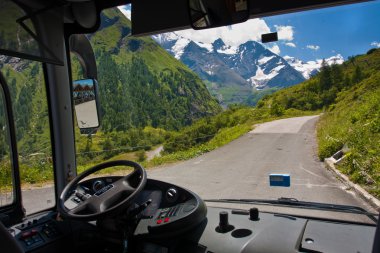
[
  {"x": 241, "y": 68},
  {"x": 218, "y": 44},
  {"x": 310, "y": 68}
]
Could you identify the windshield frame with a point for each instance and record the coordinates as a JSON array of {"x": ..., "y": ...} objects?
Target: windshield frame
[{"x": 14, "y": 211}]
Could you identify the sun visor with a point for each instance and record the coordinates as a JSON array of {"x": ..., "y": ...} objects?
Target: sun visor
[
  {"x": 152, "y": 17},
  {"x": 19, "y": 37}
]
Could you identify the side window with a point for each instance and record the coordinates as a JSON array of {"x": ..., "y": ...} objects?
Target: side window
[
  {"x": 27, "y": 88},
  {"x": 26, "y": 84},
  {"x": 6, "y": 180}
]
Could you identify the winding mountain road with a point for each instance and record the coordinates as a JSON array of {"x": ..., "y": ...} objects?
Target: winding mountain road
[{"x": 241, "y": 168}]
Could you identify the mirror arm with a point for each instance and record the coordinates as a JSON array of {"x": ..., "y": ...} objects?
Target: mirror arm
[{"x": 81, "y": 46}]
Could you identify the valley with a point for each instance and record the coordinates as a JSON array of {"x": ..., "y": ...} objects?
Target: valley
[{"x": 192, "y": 98}]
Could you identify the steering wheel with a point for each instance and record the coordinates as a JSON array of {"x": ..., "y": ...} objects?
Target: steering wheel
[{"x": 109, "y": 199}]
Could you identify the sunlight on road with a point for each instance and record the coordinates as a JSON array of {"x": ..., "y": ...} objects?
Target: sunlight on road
[{"x": 282, "y": 126}]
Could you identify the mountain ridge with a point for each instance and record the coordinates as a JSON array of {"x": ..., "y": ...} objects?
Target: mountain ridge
[
  {"x": 234, "y": 73},
  {"x": 243, "y": 69}
]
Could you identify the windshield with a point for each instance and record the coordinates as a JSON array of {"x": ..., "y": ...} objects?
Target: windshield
[{"x": 218, "y": 112}]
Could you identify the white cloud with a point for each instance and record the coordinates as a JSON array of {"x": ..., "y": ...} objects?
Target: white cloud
[
  {"x": 126, "y": 10},
  {"x": 275, "y": 49},
  {"x": 290, "y": 44},
  {"x": 313, "y": 47},
  {"x": 234, "y": 35},
  {"x": 375, "y": 44},
  {"x": 285, "y": 32}
]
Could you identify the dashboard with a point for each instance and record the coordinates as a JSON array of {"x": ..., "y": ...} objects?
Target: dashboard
[{"x": 177, "y": 220}]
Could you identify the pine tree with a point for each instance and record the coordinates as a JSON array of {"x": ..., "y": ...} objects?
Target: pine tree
[
  {"x": 347, "y": 81},
  {"x": 337, "y": 76},
  {"x": 325, "y": 80}
]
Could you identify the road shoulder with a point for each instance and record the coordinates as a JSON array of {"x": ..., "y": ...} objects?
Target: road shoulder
[{"x": 366, "y": 196}]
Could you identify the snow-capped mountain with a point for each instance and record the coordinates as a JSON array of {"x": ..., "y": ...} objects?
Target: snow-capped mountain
[
  {"x": 232, "y": 72},
  {"x": 310, "y": 68},
  {"x": 248, "y": 64}
]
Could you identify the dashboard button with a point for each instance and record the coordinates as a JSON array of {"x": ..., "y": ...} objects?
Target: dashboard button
[
  {"x": 166, "y": 220},
  {"x": 26, "y": 235},
  {"x": 159, "y": 221}
]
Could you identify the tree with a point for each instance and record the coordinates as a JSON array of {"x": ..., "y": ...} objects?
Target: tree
[
  {"x": 358, "y": 75},
  {"x": 347, "y": 81},
  {"x": 325, "y": 81},
  {"x": 276, "y": 109},
  {"x": 337, "y": 76}
]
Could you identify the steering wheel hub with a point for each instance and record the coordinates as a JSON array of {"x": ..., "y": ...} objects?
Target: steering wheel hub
[{"x": 111, "y": 198}]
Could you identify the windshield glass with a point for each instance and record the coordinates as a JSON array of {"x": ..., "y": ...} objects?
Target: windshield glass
[{"x": 217, "y": 111}]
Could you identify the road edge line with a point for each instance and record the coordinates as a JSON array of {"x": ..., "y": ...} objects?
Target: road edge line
[{"x": 366, "y": 196}]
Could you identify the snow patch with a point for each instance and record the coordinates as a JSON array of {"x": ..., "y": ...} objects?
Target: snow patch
[
  {"x": 205, "y": 45},
  {"x": 265, "y": 59},
  {"x": 307, "y": 68},
  {"x": 261, "y": 79},
  {"x": 227, "y": 50},
  {"x": 166, "y": 37},
  {"x": 179, "y": 47},
  {"x": 278, "y": 68}
]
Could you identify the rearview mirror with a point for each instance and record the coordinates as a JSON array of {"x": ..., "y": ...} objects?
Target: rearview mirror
[
  {"x": 86, "y": 106},
  {"x": 214, "y": 13}
]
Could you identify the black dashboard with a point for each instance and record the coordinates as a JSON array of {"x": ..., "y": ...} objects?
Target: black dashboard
[{"x": 177, "y": 220}]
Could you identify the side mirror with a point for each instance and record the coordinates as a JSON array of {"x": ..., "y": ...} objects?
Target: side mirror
[
  {"x": 214, "y": 13},
  {"x": 85, "y": 91},
  {"x": 86, "y": 106}
]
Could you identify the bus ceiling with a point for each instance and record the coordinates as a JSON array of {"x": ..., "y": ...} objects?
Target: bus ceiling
[{"x": 152, "y": 17}]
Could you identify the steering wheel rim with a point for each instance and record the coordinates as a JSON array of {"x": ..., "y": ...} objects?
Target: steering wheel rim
[{"x": 98, "y": 203}]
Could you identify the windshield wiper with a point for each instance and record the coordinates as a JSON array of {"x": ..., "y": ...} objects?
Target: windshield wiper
[{"x": 295, "y": 203}]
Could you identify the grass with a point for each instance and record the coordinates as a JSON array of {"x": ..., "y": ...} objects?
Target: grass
[
  {"x": 223, "y": 137},
  {"x": 354, "y": 122}
]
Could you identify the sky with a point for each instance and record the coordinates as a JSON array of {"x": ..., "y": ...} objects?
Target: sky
[{"x": 346, "y": 30}]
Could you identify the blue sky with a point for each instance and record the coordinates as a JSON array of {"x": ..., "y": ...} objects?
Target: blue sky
[{"x": 346, "y": 30}]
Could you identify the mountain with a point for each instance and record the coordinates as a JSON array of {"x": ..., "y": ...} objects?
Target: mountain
[
  {"x": 232, "y": 73},
  {"x": 140, "y": 84},
  {"x": 311, "y": 68}
]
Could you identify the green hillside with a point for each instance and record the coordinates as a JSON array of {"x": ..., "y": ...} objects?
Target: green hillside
[
  {"x": 349, "y": 96},
  {"x": 145, "y": 94},
  {"x": 141, "y": 84}
]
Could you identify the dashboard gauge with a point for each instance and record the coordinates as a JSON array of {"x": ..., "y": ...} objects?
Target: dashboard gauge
[{"x": 97, "y": 185}]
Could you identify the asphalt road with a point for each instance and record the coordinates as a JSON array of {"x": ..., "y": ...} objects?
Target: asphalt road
[{"x": 241, "y": 169}]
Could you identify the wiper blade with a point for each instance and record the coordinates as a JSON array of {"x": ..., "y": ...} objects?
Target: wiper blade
[{"x": 295, "y": 203}]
